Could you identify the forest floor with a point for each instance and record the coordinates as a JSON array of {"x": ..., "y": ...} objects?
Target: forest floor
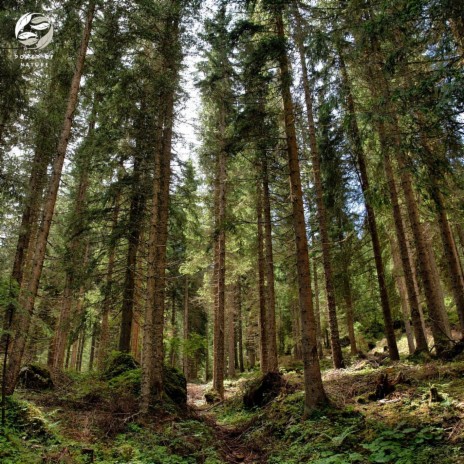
[{"x": 81, "y": 421}]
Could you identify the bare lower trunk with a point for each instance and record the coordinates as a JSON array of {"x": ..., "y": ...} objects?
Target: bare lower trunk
[
  {"x": 264, "y": 354},
  {"x": 21, "y": 323},
  {"x": 137, "y": 207},
  {"x": 273, "y": 363},
  {"x": 108, "y": 294},
  {"x": 401, "y": 286},
  {"x": 452, "y": 258},
  {"x": 317, "y": 302},
  {"x": 314, "y": 390},
  {"x": 219, "y": 314},
  {"x": 231, "y": 339},
  {"x": 186, "y": 331},
  {"x": 240, "y": 325},
  {"x": 432, "y": 288}
]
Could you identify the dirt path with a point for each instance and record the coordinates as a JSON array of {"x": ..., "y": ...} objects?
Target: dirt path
[{"x": 229, "y": 440}]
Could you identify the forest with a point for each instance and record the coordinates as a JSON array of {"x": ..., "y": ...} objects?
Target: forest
[{"x": 232, "y": 231}]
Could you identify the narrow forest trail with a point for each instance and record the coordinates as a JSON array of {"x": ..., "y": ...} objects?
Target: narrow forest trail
[{"x": 228, "y": 440}]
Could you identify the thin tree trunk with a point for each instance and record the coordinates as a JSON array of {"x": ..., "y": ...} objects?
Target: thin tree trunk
[
  {"x": 175, "y": 334},
  {"x": 273, "y": 364},
  {"x": 231, "y": 338},
  {"x": 337, "y": 355},
  {"x": 240, "y": 326},
  {"x": 137, "y": 207},
  {"x": 93, "y": 344},
  {"x": 432, "y": 288},
  {"x": 449, "y": 247},
  {"x": 185, "y": 358},
  {"x": 314, "y": 390},
  {"x": 401, "y": 285},
  {"x": 219, "y": 349},
  {"x": 21, "y": 323},
  {"x": 108, "y": 292},
  {"x": 317, "y": 304},
  {"x": 261, "y": 284},
  {"x": 358, "y": 150},
  {"x": 63, "y": 324}
]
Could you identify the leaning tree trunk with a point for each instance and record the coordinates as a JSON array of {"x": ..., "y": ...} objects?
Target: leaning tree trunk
[
  {"x": 314, "y": 390},
  {"x": 432, "y": 290},
  {"x": 21, "y": 322},
  {"x": 74, "y": 249},
  {"x": 337, "y": 355},
  {"x": 449, "y": 247}
]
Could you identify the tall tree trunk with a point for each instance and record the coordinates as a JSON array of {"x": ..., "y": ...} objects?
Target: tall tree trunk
[
  {"x": 173, "y": 354},
  {"x": 240, "y": 325},
  {"x": 108, "y": 291},
  {"x": 137, "y": 207},
  {"x": 219, "y": 314},
  {"x": 449, "y": 247},
  {"x": 21, "y": 323},
  {"x": 357, "y": 147},
  {"x": 263, "y": 324},
  {"x": 231, "y": 336},
  {"x": 273, "y": 364},
  {"x": 432, "y": 289},
  {"x": 74, "y": 251},
  {"x": 314, "y": 390},
  {"x": 317, "y": 303},
  {"x": 185, "y": 357},
  {"x": 401, "y": 285},
  {"x": 93, "y": 345},
  {"x": 337, "y": 355},
  {"x": 153, "y": 349}
]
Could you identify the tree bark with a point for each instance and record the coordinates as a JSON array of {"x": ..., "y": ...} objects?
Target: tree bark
[
  {"x": 21, "y": 323},
  {"x": 219, "y": 314},
  {"x": 314, "y": 390},
  {"x": 108, "y": 294},
  {"x": 240, "y": 325},
  {"x": 401, "y": 286},
  {"x": 186, "y": 331},
  {"x": 263, "y": 323},
  {"x": 231, "y": 338},
  {"x": 153, "y": 349},
  {"x": 137, "y": 207},
  {"x": 273, "y": 364}
]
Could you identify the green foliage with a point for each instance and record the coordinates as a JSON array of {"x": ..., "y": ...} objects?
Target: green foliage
[{"x": 400, "y": 446}]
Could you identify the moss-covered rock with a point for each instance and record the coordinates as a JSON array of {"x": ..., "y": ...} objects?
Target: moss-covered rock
[
  {"x": 35, "y": 377},
  {"x": 263, "y": 390},
  {"x": 124, "y": 374},
  {"x": 212, "y": 396},
  {"x": 175, "y": 385},
  {"x": 119, "y": 363}
]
